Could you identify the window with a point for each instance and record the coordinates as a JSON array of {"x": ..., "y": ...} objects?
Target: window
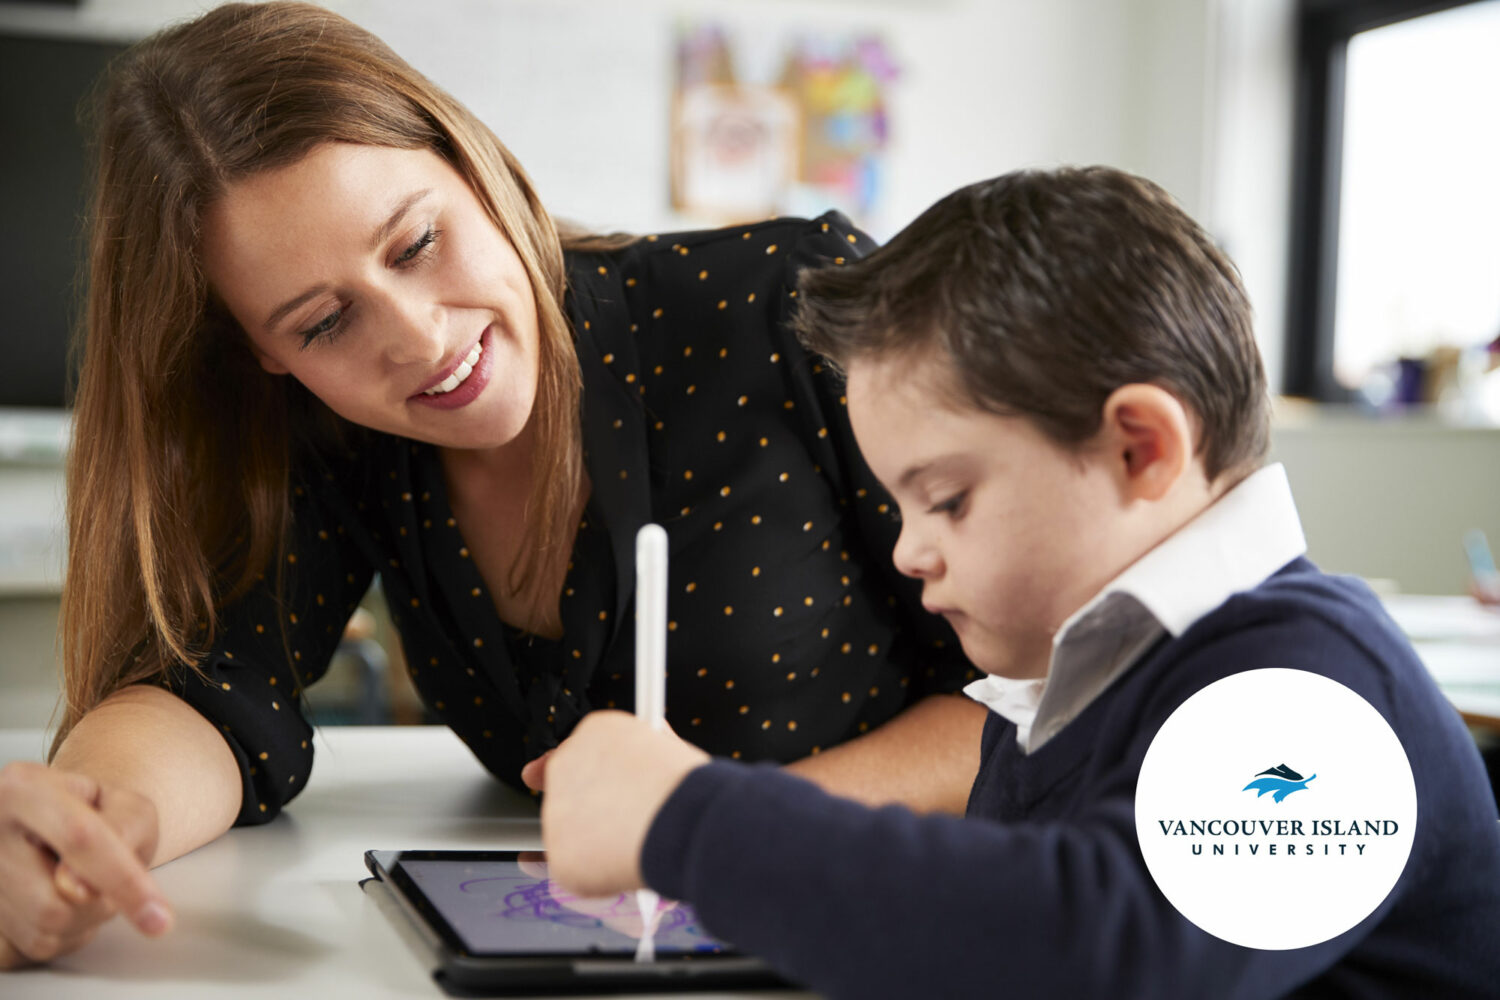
[{"x": 1396, "y": 228}]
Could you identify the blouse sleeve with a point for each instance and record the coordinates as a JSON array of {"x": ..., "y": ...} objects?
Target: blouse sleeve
[
  {"x": 270, "y": 644},
  {"x": 926, "y": 642}
]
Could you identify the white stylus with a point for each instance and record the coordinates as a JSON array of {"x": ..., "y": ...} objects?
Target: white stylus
[{"x": 650, "y": 677}]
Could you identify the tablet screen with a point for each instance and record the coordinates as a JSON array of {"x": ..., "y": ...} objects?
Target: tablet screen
[{"x": 506, "y": 904}]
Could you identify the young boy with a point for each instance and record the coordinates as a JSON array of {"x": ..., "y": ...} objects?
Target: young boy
[{"x": 1055, "y": 376}]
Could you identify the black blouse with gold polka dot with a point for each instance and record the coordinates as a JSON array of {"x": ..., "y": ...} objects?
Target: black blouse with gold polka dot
[{"x": 789, "y": 629}]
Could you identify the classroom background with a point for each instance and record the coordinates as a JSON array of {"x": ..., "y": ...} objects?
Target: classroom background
[{"x": 1338, "y": 149}]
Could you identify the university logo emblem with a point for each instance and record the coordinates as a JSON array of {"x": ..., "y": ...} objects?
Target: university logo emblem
[
  {"x": 1260, "y": 872},
  {"x": 1280, "y": 781}
]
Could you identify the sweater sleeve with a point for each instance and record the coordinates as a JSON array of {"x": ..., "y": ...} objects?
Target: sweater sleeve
[
  {"x": 269, "y": 645},
  {"x": 884, "y": 903}
]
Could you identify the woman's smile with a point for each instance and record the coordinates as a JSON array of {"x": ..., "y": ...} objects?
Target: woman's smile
[
  {"x": 405, "y": 308},
  {"x": 463, "y": 383}
]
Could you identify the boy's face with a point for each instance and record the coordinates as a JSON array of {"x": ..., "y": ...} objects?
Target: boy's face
[{"x": 1008, "y": 532}]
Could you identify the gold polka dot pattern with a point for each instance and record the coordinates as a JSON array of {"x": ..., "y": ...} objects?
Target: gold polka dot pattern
[{"x": 780, "y": 557}]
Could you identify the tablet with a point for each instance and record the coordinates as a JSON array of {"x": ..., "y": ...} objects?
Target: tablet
[{"x": 496, "y": 924}]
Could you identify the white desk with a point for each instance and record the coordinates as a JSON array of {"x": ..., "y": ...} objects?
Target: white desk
[
  {"x": 1459, "y": 641},
  {"x": 276, "y": 910}
]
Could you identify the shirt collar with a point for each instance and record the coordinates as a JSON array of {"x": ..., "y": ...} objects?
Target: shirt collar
[
  {"x": 1235, "y": 544},
  {"x": 1248, "y": 534}
]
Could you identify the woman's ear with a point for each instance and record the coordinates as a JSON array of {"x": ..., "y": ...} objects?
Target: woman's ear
[
  {"x": 1149, "y": 434},
  {"x": 268, "y": 363}
]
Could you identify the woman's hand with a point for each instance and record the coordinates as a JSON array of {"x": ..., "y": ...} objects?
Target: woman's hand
[
  {"x": 605, "y": 785},
  {"x": 73, "y": 852}
]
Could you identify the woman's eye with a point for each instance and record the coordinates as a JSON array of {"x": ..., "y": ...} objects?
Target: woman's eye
[
  {"x": 422, "y": 242},
  {"x": 325, "y": 329}
]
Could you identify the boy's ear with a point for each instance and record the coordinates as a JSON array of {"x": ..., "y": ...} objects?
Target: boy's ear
[{"x": 1149, "y": 437}]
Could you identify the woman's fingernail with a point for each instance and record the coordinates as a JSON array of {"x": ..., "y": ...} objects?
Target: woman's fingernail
[{"x": 153, "y": 918}]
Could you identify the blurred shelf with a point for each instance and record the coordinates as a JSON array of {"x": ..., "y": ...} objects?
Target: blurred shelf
[{"x": 1290, "y": 413}]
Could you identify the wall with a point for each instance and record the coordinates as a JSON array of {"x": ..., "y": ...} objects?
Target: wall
[
  {"x": 1169, "y": 99},
  {"x": 1391, "y": 499},
  {"x": 1248, "y": 175},
  {"x": 579, "y": 88},
  {"x": 28, "y": 664},
  {"x": 1195, "y": 94}
]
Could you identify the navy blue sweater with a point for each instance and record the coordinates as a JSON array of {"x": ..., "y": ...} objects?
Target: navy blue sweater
[{"x": 1042, "y": 890}]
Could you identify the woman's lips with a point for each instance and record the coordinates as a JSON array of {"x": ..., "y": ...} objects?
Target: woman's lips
[
  {"x": 470, "y": 387},
  {"x": 469, "y": 357}
]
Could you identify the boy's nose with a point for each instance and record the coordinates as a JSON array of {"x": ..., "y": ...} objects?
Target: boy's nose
[{"x": 915, "y": 558}]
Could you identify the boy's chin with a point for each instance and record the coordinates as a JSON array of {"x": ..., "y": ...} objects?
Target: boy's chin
[{"x": 998, "y": 660}]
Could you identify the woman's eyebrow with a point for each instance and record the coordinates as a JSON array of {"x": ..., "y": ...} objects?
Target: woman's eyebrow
[
  {"x": 281, "y": 311},
  {"x": 382, "y": 232},
  {"x": 394, "y": 220}
]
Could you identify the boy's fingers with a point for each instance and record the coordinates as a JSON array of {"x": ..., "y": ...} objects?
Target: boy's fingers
[
  {"x": 79, "y": 835},
  {"x": 534, "y": 774}
]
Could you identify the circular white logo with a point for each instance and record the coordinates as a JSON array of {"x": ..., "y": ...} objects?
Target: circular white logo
[{"x": 1275, "y": 808}]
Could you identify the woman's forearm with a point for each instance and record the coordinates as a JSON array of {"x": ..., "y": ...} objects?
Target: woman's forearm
[
  {"x": 925, "y": 758},
  {"x": 151, "y": 742}
]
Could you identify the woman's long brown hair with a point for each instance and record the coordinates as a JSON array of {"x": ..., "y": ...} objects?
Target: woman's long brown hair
[{"x": 182, "y": 448}]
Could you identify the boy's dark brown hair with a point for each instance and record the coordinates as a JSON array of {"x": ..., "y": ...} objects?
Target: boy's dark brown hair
[{"x": 1044, "y": 292}]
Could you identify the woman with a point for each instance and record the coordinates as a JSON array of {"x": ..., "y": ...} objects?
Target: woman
[{"x": 332, "y": 332}]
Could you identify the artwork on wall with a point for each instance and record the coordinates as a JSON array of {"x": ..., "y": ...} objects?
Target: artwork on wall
[
  {"x": 735, "y": 150},
  {"x": 809, "y": 134}
]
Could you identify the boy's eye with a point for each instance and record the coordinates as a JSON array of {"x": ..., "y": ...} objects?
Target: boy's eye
[{"x": 953, "y": 506}]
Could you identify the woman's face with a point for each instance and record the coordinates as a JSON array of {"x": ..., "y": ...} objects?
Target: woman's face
[{"x": 374, "y": 276}]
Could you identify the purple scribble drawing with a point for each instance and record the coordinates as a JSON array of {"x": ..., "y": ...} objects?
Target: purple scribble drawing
[
  {"x": 543, "y": 900},
  {"x": 536, "y": 901}
]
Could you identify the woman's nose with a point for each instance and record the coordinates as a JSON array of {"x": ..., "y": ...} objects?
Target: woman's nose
[{"x": 412, "y": 330}]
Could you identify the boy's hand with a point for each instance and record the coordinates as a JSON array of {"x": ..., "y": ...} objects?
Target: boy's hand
[
  {"x": 605, "y": 784},
  {"x": 534, "y": 774},
  {"x": 72, "y": 853}
]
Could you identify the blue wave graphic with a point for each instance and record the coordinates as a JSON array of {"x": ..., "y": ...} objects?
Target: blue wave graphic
[{"x": 1279, "y": 788}]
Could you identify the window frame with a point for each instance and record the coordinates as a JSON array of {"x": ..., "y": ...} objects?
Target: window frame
[{"x": 1324, "y": 28}]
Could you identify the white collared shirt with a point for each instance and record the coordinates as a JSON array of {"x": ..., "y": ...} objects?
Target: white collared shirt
[{"x": 1234, "y": 545}]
